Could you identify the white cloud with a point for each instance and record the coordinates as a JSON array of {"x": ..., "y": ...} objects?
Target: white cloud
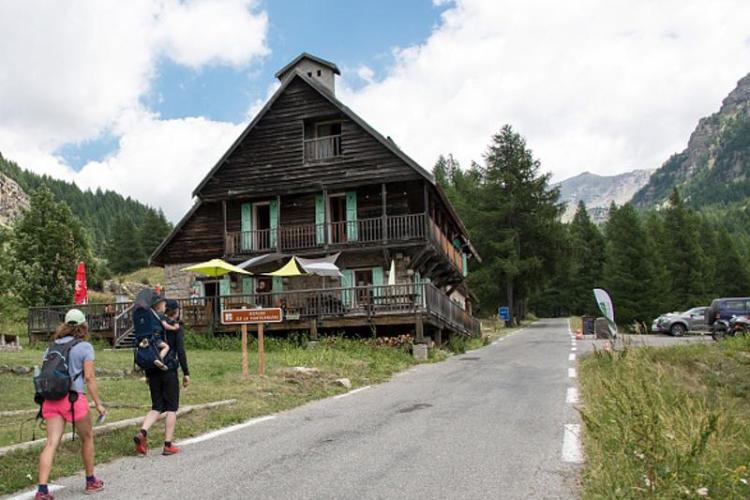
[
  {"x": 195, "y": 33},
  {"x": 75, "y": 70},
  {"x": 599, "y": 86},
  {"x": 160, "y": 162}
]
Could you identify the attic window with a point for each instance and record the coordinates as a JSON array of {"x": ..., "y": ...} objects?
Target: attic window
[
  {"x": 309, "y": 73},
  {"x": 322, "y": 140},
  {"x": 318, "y": 72}
]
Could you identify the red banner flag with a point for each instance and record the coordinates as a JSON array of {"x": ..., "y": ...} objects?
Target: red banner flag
[{"x": 81, "y": 292}]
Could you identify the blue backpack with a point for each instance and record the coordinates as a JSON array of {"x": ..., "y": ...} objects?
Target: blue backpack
[{"x": 146, "y": 325}]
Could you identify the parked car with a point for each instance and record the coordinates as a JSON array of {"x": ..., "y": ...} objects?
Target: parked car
[
  {"x": 679, "y": 323},
  {"x": 725, "y": 308}
]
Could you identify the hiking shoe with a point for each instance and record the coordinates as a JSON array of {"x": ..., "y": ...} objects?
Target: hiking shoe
[
  {"x": 160, "y": 365},
  {"x": 94, "y": 486},
  {"x": 141, "y": 444},
  {"x": 170, "y": 450},
  {"x": 43, "y": 496}
]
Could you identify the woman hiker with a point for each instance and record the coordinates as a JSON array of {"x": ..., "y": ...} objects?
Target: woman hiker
[
  {"x": 164, "y": 385},
  {"x": 75, "y": 407}
]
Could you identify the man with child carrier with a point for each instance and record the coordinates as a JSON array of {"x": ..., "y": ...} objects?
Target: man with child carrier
[{"x": 159, "y": 351}]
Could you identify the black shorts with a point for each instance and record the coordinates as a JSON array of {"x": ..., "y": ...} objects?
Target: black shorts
[{"x": 165, "y": 391}]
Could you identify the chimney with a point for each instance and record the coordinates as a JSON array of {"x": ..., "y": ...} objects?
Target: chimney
[{"x": 315, "y": 68}]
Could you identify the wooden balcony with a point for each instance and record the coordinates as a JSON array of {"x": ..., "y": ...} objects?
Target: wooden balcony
[
  {"x": 401, "y": 304},
  {"x": 334, "y": 235},
  {"x": 322, "y": 148}
]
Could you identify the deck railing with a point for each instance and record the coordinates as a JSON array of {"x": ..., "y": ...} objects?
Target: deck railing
[
  {"x": 322, "y": 148},
  {"x": 322, "y": 303},
  {"x": 334, "y": 234},
  {"x": 446, "y": 246}
]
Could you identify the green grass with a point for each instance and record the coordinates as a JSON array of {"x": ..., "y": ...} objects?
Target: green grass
[
  {"x": 147, "y": 276},
  {"x": 667, "y": 422},
  {"x": 216, "y": 375}
]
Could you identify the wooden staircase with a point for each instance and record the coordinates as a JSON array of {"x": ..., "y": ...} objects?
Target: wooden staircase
[{"x": 124, "y": 330}]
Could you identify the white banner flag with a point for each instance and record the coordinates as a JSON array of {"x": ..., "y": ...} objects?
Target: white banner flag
[{"x": 604, "y": 302}]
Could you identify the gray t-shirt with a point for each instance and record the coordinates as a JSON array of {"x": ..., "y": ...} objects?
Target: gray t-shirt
[{"x": 83, "y": 351}]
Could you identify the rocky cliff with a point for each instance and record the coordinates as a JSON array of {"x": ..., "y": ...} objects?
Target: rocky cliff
[
  {"x": 715, "y": 166},
  {"x": 599, "y": 191},
  {"x": 13, "y": 200}
]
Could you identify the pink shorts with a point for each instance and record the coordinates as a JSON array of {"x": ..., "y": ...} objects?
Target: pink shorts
[{"x": 62, "y": 408}]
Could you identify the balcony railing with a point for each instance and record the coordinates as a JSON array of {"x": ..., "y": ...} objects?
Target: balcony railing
[
  {"x": 448, "y": 248},
  {"x": 322, "y": 148},
  {"x": 325, "y": 303},
  {"x": 334, "y": 234}
]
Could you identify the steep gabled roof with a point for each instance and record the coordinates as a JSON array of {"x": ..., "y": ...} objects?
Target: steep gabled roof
[
  {"x": 328, "y": 95},
  {"x": 389, "y": 144},
  {"x": 305, "y": 55}
]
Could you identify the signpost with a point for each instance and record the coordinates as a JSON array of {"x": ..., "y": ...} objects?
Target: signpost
[{"x": 246, "y": 317}]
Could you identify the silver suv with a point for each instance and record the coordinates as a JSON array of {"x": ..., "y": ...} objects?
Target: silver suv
[{"x": 679, "y": 323}]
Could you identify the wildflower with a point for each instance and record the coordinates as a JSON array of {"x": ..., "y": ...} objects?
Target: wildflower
[{"x": 702, "y": 492}]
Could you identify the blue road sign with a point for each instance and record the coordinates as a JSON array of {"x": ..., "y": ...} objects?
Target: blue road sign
[{"x": 503, "y": 313}]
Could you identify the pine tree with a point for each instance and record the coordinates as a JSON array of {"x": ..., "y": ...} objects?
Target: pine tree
[
  {"x": 46, "y": 246},
  {"x": 732, "y": 274},
  {"x": 124, "y": 251},
  {"x": 514, "y": 216},
  {"x": 629, "y": 272},
  {"x": 153, "y": 231},
  {"x": 683, "y": 255},
  {"x": 587, "y": 262}
]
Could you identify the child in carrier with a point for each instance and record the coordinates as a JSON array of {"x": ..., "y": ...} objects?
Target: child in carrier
[{"x": 149, "y": 324}]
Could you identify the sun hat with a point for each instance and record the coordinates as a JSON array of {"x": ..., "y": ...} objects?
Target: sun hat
[{"x": 75, "y": 317}]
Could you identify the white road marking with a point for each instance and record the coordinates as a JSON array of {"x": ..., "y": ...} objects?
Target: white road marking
[
  {"x": 572, "y": 372},
  {"x": 572, "y": 396},
  {"x": 225, "y": 430},
  {"x": 573, "y": 349},
  {"x": 571, "y": 357},
  {"x": 572, "y": 452},
  {"x": 30, "y": 494},
  {"x": 351, "y": 392}
]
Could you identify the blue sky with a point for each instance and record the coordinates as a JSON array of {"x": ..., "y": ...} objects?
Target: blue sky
[
  {"x": 349, "y": 33},
  {"x": 114, "y": 93}
]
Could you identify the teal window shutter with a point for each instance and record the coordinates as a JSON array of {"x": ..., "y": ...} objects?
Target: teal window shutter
[
  {"x": 247, "y": 226},
  {"x": 418, "y": 288},
  {"x": 347, "y": 281},
  {"x": 247, "y": 286},
  {"x": 377, "y": 281},
  {"x": 278, "y": 284},
  {"x": 465, "y": 264},
  {"x": 320, "y": 218},
  {"x": 273, "y": 209},
  {"x": 351, "y": 216},
  {"x": 225, "y": 289}
]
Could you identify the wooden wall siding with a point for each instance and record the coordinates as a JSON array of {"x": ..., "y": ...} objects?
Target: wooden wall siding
[
  {"x": 270, "y": 159},
  {"x": 201, "y": 238}
]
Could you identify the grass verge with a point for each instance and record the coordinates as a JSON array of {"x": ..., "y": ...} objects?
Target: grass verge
[{"x": 667, "y": 422}]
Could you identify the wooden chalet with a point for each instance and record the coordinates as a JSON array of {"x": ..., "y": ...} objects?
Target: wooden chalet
[{"x": 310, "y": 178}]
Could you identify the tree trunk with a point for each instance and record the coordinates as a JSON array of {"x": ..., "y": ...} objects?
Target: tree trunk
[{"x": 509, "y": 294}]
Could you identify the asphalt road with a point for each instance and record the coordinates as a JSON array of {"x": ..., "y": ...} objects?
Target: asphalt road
[{"x": 487, "y": 424}]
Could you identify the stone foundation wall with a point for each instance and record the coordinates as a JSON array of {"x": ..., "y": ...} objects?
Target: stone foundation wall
[{"x": 177, "y": 284}]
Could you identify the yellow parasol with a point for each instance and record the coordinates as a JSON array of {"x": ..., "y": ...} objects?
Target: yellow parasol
[
  {"x": 289, "y": 269},
  {"x": 214, "y": 268}
]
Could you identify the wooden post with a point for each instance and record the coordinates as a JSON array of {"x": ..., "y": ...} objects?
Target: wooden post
[
  {"x": 224, "y": 215},
  {"x": 325, "y": 219},
  {"x": 419, "y": 329},
  {"x": 278, "y": 223},
  {"x": 384, "y": 202},
  {"x": 314, "y": 329},
  {"x": 245, "y": 373},
  {"x": 261, "y": 351}
]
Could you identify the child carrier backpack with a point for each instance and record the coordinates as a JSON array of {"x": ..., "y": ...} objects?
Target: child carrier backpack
[
  {"x": 145, "y": 350},
  {"x": 53, "y": 382}
]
